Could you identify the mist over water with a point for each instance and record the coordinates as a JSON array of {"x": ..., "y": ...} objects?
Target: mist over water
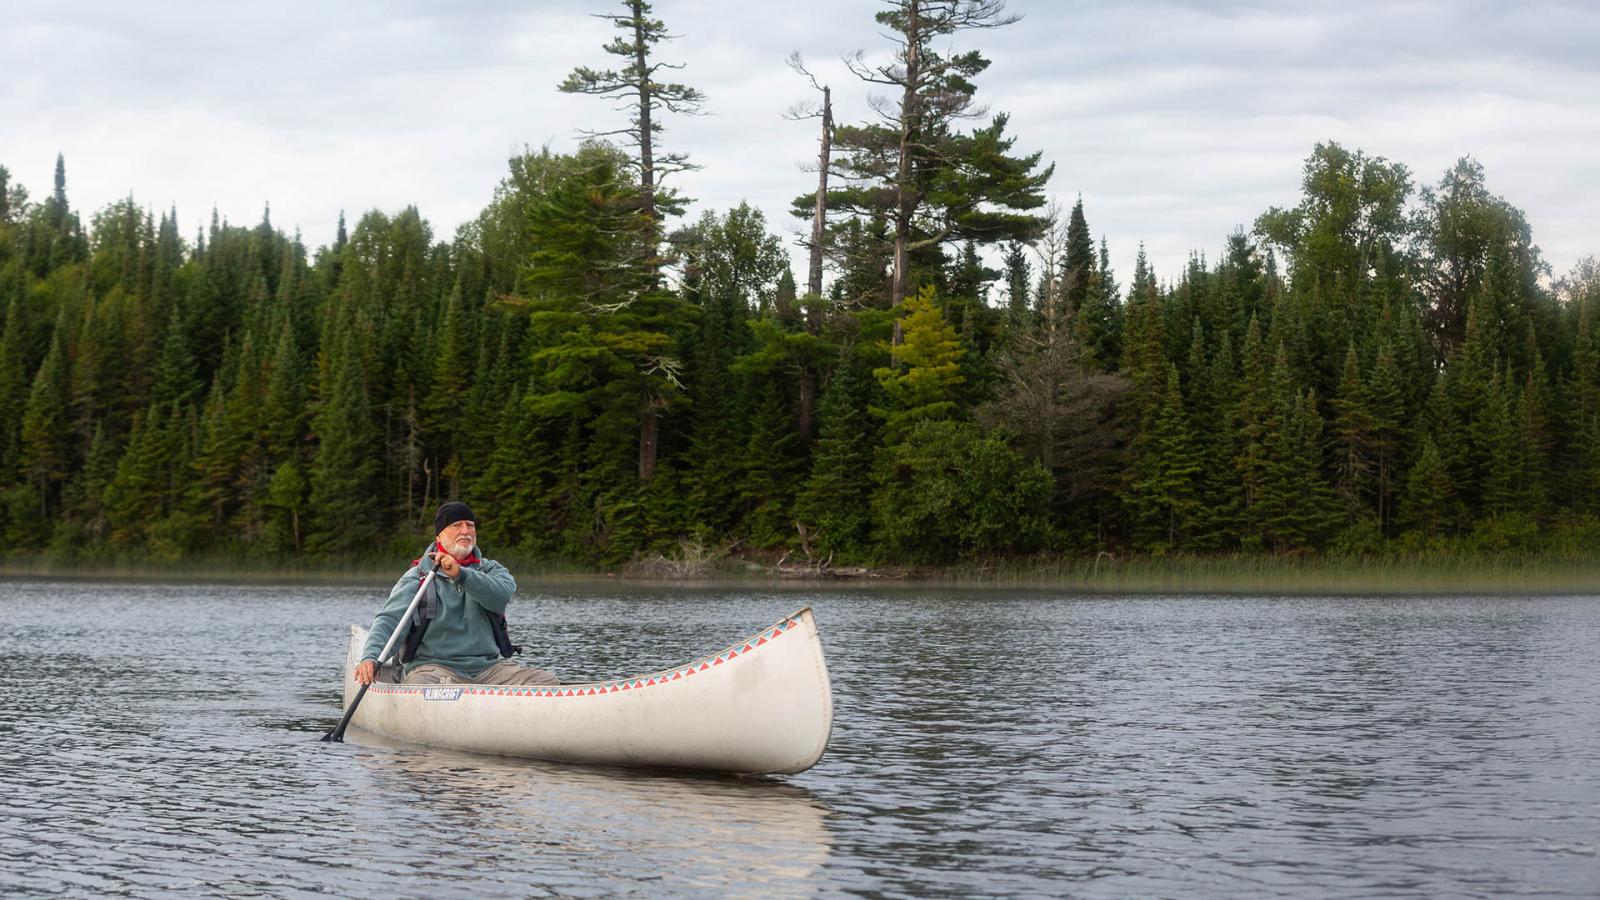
[{"x": 157, "y": 738}]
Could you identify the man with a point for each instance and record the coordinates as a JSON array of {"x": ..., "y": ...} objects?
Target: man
[{"x": 465, "y": 600}]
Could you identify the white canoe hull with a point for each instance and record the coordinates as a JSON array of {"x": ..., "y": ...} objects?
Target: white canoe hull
[{"x": 761, "y": 706}]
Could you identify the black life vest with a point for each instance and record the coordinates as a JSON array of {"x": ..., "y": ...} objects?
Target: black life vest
[{"x": 421, "y": 619}]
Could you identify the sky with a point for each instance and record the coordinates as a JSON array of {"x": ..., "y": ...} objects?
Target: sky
[{"x": 1176, "y": 122}]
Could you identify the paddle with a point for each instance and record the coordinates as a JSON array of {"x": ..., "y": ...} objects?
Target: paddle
[{"x": 337, "y": 734}]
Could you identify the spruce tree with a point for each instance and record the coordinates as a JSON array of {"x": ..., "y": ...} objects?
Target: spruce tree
[
  {"x": 1355, "y": 432},
  {"x": 345, "y": 500},
  {"x": 285, "y": 502},
  {"x": 1078, "y": 273},
  {"x": 1428, "y": 506},
  {"x": 133, "y": 498},
  {"x": 1216, "y": 519},
  {"x": 1253, "y": 419},
  {"x": 211, "y": 493},
  {"x": 1387, "y": 405},
  {"x": 1532, "y": 418},
  {"x": 1017, "y": 274},
  {"x": 176, "y": 380},
  {"x": 771, "y": 464},
  {"x": 14, "y": 386},
  {"x": 832, "y": 509},
  {"x": 1166, "y": 490},
  {"x": 45, "y": 452},
  {"x": 1495, "y": 430},
  {"x": 1144, "y": 347},
  {"x": 1297, "y": 498}
]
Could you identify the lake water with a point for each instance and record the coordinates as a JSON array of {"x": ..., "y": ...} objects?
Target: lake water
[{"x": 162, "y": 738}]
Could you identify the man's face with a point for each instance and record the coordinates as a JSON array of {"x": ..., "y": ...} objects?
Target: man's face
[{"x": 458, "y": 538}]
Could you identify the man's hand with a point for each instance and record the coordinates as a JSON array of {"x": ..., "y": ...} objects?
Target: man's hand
[
  {"x": 447, "y": 565},
  {"x": 366, "y": 671}
]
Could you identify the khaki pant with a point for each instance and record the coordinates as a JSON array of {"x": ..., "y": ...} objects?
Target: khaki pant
[{"x": 502, "y": 672}]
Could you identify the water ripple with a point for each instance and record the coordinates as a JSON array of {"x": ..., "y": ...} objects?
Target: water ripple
[{"x": 984, "y": 743}]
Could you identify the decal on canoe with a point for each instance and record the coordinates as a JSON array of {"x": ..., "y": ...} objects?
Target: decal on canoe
[{"x": 622, "y": 684}]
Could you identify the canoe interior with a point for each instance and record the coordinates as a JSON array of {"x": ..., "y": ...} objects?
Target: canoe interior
[{"x": 761, "y": 705}]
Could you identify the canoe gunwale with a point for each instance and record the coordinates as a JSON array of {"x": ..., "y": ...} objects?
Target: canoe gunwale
[
  {"x": 634, "y": 682},
  {"x": 759, "y": 693}
]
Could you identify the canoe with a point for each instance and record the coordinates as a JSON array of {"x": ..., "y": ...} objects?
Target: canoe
[{"x": 762, "y": 705}]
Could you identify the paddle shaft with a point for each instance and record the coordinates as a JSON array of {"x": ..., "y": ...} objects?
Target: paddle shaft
[{"x": 337, "y": 734}]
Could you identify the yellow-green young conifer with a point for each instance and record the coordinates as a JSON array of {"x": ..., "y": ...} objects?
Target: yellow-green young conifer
[{"x": 922, "y": 381}]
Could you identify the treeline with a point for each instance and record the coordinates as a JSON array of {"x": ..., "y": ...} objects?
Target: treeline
[{"x": 1375, "y": 369}]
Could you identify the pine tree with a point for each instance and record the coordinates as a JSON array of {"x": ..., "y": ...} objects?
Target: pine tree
[
  {"x": 606, "y": 338},
  {"x": 522, "y": 486},
  {"x": 133, "y": 498},
  {"x": 636, "y": 84},
  {"x": 1101, "y": 321},
  {"x": 930, "y": 182}
]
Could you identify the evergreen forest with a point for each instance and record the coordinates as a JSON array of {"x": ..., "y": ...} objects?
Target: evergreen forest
[{"x": 1382, "y": 366}]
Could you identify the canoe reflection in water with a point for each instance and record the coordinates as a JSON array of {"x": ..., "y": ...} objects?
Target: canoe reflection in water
[{"x": 551, "y": 821}]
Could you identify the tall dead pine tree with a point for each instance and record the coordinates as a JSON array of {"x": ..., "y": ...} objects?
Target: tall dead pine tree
[{"x": 643, "y": 97}]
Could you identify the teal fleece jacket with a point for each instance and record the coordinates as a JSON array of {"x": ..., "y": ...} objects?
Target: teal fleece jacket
[{"x": 460, "y": 637}]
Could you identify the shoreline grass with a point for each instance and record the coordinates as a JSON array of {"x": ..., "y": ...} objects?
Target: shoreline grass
[{"x": 1241, "y": 574}]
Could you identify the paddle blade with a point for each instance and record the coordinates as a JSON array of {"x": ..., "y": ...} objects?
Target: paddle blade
[{"x": 336, "y": 736}]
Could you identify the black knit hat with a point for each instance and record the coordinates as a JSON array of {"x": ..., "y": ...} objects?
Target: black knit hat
[{"x": 451, "y": 512}]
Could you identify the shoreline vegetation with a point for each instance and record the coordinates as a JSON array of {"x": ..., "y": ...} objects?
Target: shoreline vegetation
[
  {"x": 1530, "y": 574},
  {"x": 960, "y": 390}
]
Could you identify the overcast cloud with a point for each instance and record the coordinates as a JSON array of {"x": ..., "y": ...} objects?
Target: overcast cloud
[{"x": 1176, "y": 122}]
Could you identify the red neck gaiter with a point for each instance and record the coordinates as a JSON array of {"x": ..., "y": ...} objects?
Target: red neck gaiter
[{"x": 471, "y": 560}]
